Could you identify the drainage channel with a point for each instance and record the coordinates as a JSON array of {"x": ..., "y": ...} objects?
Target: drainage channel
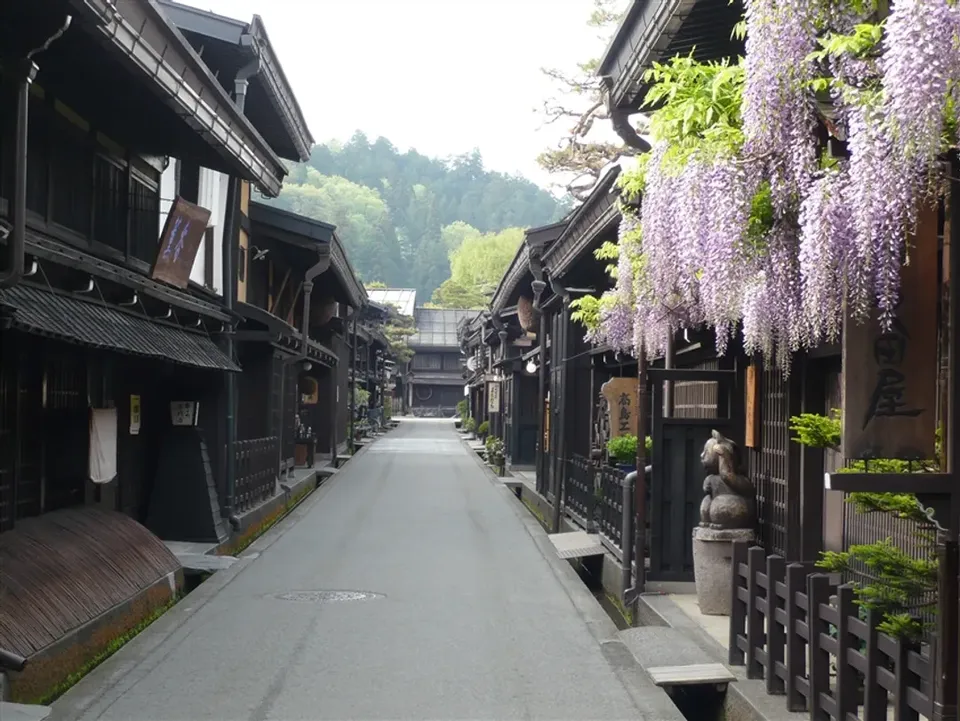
[
  {"x": 697, "y": 699},
  {"x": 698, "y": 702}
]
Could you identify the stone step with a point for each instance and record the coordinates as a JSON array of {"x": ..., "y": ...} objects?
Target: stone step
[
  {"x": 576, "y": 544},
  {"x": 23, "y": 712}
]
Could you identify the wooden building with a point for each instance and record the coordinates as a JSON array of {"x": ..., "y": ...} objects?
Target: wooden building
[
  {"x": 518, "y": 324},
  {"x": 432, "y": 380},
  {"x": 110, "y": 379},
  {"x": 290, "y": 392},
  {"x": 476, "y": 362},
  {"x": 798, "y": 519}
]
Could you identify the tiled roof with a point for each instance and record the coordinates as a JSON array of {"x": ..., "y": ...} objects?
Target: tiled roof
[
  {"x": 77, "y": 321},
  {"x": 437, "y": 328},
  {"x": 404, "y": 299}
]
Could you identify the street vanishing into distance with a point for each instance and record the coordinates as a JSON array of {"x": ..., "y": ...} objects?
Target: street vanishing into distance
[{"x": 412, "y": 585}]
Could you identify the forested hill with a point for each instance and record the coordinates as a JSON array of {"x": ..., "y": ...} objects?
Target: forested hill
[{"x": 400, "y": 215}]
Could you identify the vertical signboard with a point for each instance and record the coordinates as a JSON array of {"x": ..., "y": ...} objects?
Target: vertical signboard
[
  {"x": 134, "y": 415},
  {"x": 179, "y": 242},
  {"x": 890, "y": 377},
  {"x": 621, "y": 396},
  {"x": 493, "y": 398}
]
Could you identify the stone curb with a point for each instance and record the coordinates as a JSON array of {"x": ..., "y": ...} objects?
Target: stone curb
[
  {"x": 651, "y": 700},
  {"x": 105, "y": 684}
]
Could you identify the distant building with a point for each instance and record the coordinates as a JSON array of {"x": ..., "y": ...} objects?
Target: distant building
[{"x": 432, "y": 381}]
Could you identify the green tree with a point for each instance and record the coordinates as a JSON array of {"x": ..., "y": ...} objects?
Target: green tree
[
  {"x": 476, "y": 268},
  {"x": 578, "y": 103},
  {"x": 361, "y": 218},
  {"x": 454, "y": 234}
]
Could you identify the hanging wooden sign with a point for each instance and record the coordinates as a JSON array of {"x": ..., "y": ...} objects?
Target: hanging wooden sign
[
  {"x": 751, "y": 435},
  {"x": 621, "y": 396},
  {"x": 890, "y": 378},
  {"x": 184, "y": 229}
]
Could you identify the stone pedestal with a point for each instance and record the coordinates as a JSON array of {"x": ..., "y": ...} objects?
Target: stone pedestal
[{"x": 712, "y": 567}]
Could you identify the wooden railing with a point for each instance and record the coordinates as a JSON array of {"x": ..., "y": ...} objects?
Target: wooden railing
[
  {"x": 257, "y": 468},
  {"x": 580, "y": 497},
  {"x": 809, "y": 640},
  {"x": 611, "y": 509}
]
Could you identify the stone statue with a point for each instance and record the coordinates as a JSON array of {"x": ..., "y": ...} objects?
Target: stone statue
[{"x": 729, "y": 500}]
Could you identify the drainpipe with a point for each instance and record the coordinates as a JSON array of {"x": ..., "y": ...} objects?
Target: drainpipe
[
  {"x": 16, "y": 241},
  {"x": 538, "y": 287},
  {"x": 352, "y": 387},
  {"x": 562, "y": 401},
  {"x": 640, "y": 489},
  {"x": 232, "y": 239}
]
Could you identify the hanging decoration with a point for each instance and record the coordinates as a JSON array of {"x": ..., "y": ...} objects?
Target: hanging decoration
[{"x": 747, "y": 223}]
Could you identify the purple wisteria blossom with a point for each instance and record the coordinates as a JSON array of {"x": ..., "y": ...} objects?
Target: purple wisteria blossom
[
  {"x": 920, "y": 56},
  {"x": 827, "y": 247},
  {"x": 778, "y": 109}
]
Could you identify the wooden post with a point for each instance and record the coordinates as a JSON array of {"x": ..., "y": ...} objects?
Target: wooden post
[
  {"x": 796, "y": 647},
  {"x": 945, "y": 659},
  {"x": 738, "y": 614},
  {"x": 776, "y": 574},
  {"x": 756, "y": 561},
  {"x": 846, "y": 693},
  {"x": 874, "y": 695},
  {"x": 818, "y": 592}
]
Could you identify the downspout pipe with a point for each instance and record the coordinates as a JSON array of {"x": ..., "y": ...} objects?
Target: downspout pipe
[
  {"x": 229, "y": 258},
  {"x": 564, "y": 294},
  {"x": 26, "y": 72},
  {"x": 318, "y": 268},
  {"x": 538, "y": 287},
  {"x": 353, "y": 381}
]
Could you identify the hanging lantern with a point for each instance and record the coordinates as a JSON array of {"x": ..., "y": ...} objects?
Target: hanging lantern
[
  {"x": 328, "y": 310},
  {"x": 527, "y": 315}
]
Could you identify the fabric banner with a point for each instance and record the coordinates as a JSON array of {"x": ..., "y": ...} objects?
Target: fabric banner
[{"x": 103, "y": 444}]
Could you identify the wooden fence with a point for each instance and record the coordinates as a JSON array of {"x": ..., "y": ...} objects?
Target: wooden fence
[
  {"x": 807, "y": 638},
  {"x": 257, "y": 470}
]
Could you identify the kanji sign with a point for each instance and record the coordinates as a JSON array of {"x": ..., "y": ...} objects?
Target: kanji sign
[
  {"x": 493, "y": 398},
  {"x": 179, "y": 243},
  {"x": 134, "y": 415},
  {"x": 890, "y": 383},
  {"x": 621, "y": 395},
  {"x": 184, "y": 413}
]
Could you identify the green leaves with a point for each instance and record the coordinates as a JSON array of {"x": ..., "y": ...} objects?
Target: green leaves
[
  {"x": 476, "y": 267},
  {"x": 864, "y": 39},
  {"x": 586, "y": 311},
  {"x": 816, "y": 431},
  {"x": 902, "y": 582},
  {"x": 697, "y": 105}
]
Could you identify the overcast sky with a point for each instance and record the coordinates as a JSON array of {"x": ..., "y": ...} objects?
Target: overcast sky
[{"x": 441, "y": 76}]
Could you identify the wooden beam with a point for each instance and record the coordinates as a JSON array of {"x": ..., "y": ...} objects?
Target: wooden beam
[
  {"x": 279, "y": 295},
  {"x": 293, "y": 305},
  {"x": 926, "y": 483}
]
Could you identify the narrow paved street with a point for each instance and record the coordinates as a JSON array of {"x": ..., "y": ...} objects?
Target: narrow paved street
[{"x": 473, "y": 619}]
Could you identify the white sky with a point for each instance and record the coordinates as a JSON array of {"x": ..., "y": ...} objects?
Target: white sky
[{"x": 441, "y": 76}]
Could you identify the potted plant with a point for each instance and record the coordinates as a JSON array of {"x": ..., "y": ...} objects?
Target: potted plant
[
  {"x": 623, "y": 451},
  {"x": 495, "y": 454},
  {"x": 462, "y": 410},
  {"x": 484, "y": 430},
  {"x": 470, "y": 425}
]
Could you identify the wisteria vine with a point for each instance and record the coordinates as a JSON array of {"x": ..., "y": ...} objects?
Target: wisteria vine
[{"x": 742, "y": 225}]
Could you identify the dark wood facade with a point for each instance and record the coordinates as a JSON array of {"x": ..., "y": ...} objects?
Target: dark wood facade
[
  {"x": 290, "y": 394},
  {"x": 87, "y": 327}
]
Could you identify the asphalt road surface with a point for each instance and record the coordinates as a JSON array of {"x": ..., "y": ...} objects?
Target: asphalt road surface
[{"x": 473, "y": 617}]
